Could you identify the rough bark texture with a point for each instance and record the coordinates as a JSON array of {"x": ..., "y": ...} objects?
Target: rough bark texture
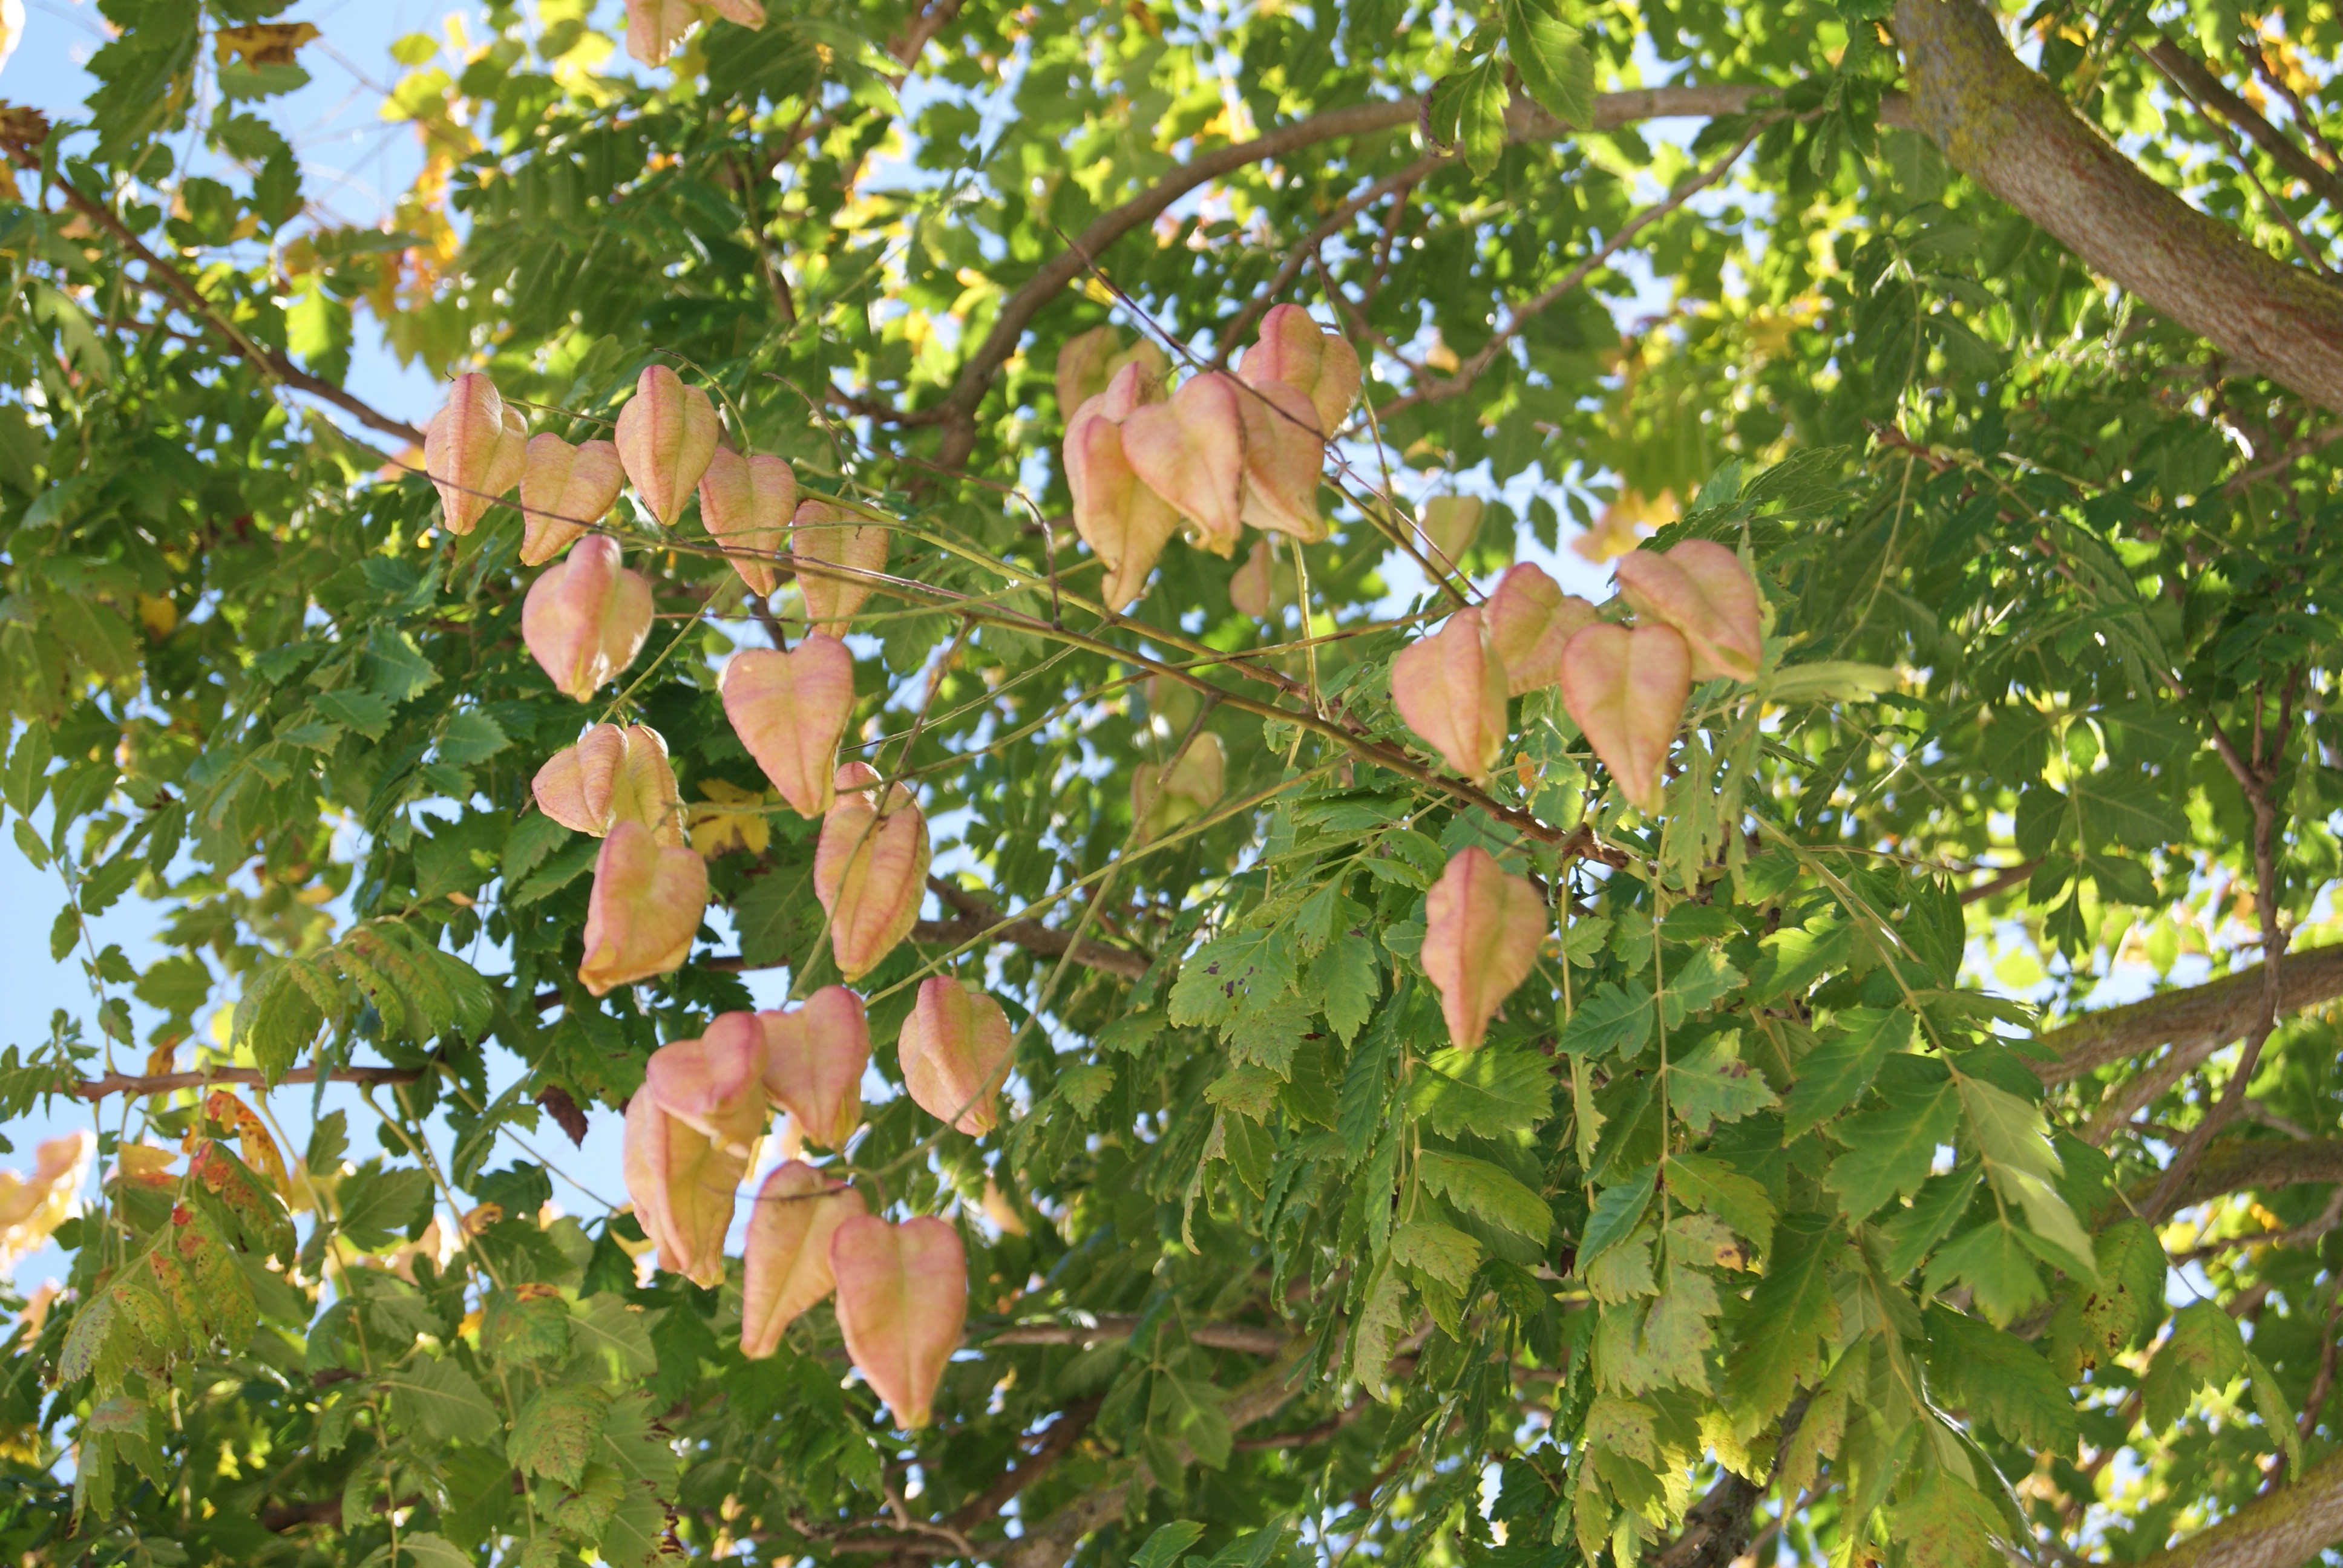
[
  {"x": 2198, "y": 1021},
  {"x": 2010, "y": 130},
  {"x": 2235, "y": 1164},
  {"x": 2289, "y": 1527}
]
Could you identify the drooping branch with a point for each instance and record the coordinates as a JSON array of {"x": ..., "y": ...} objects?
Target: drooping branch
[
  {"x": 2008, "y": 128},
  {"x": 2202, "y": 1018},
  {"x": 2290, "y": 1527}
]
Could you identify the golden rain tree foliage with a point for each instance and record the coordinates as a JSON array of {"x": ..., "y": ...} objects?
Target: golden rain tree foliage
[{"x": 1029, "y": 529}]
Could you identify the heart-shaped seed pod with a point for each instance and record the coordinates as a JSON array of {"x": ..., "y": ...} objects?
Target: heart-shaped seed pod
[
  {"x": 1125, "y": 524},
  {"x": 1703, "y": 590},
  {"x": 814, "y": 1057},
  {"x": 1191, "y": 452},
  {"x": 1249, "y": 589},
  {"x": 1530, "y": 620},
  {"x": 667, "y": 434},
  {"x": 563, "y": 490},
  {"x": 823, "y": 536},
  {"x": 955, "y": 1051},
  {"x": 715, "y": 1084},
  {"x": 683, "y": 1186},
  {"x": 870, "y": 869},
  {"x": 644, "y": 910},
  {"x": 1482, "y": 928},
  {"x": 1626, "y": 689},
  {"x": 790, "y": 709},
  {"x": 902, "y": 1298},
  {"x": 1320, "y": 366},
  {"x": 1091, "y": 359},
  {"x": 786, "y": 1255},
  {"x": 1283, "y": 453},
  {"x": 612, "y": 775},
  {"x": 1168, "y": 796},
  {"x": 1449, "y": 687},
  {"x": 586, "y": 617},
  {"x": 473, "y": 449},
  {"x": 1450, "y": 524},
  {"x": 747, "y": 503}
]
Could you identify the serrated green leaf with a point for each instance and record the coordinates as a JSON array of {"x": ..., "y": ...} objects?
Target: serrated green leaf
[
  {"x": 1483, "y": 1190},
  {"x": 1486, "y": 1093},
  {"x": 1836, "y": 1071},
  {"x": 1554, "y": 63},
  {"x": 2203, "y": 1350},
  {"x": 1616, "y": 1018},
  {"x": 557, "y": 1431},
  {"x": 1793, "y": 1314},
  {"x": 1891, "y": 1145},
  {"x": 1713, "y": 1084},
  {"x": 1441, "y": 1252},
  {"x": 438, "y": 1399},
  {"x": 1617, "y": 1210}
]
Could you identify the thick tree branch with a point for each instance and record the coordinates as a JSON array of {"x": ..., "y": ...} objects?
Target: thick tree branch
[
  {"x": 2201, "y": 1019},
  {"x": 165, "y": 1082},
  {"x": 2009, "y": 129},
  {"x": 1262, "y": 1340},
  {"x": 2237, "y": 1164},
  {"x": 2289, "y": 1527},
  {"x": 2192, "y": 76}
]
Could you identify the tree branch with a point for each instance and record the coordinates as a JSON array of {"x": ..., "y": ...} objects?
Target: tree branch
[
  {"x": 2192, "y": 76},
  {"x": 2202, "y": 1018},
  {"x": 2235, "y": 1165},
  {"x": 1263, "y": 1339},
  {"x": 2289, "y": 1527},
  {"x": 165, "y": 1082},
  {"x": 2010, "y": 130}
]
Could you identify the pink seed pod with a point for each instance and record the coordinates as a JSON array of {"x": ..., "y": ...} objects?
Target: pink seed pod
[
  {"x": 747, "y": 503},
  {"x": 1167, "y": 796},
  {"x": 790, "y": 710},
  {"x": 667, "y": 434},
  {"x": 612, "y": 775},
  {"x": 1191, "y": 452},
  {"x": 1449, "y": 687},
  {"x": 1283, "y": 453},
  {"x": 1249, "y": 592},
  {"x": 870, "y": 869},
  {"x": 1091, "y": 359},
  {"x": 814, "y": 1057},
  {"x": 1481, "y": 929},
  {"x": 473, "y": 449},
  {"x": 902, "y": 1298},
  {"x": 683, "y": 1187},
  {"x": 1530, "y": 620},
  {"x": 1450, "y": 524},
  {"x": 563, "y": 488},
  {"x": 715, "y": 1084},
  {"x": 586, "y": 617},
  {"x": 786, "y": 1255},
  {"x": 1626, "y": 689},
  {"x": 1125, "y": 524},
  {"x": 825, "y": 536},
  {"x": 644, "y": 910},
  {"x": 1703, "y": 590},
  {"x": 955, "y": 1051},
  {"x": 1322, "y": 365}
]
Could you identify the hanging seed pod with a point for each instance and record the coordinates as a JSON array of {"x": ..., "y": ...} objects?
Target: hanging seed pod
[
  {"x": 667, "y": 435},
  {"x": 586, "y": 617},
  {"x": 612, "y": 775},
  {"x": 1191, "y": 452},
  {"x": 715, "y": 1084},
  {"x": 1450, "y": 524},
  {"x": 955, "y": 1051},
  {"x": 1125, "y": 524},
  {"x": 1530, "y": 620},
  {"x": 564, "y": 488},
  {"x": 902, "y": 1298},
  {"x": 870, "y": 869},
  {"x": 1283, "y": 453},
  {"x": 644, "y": 910},
  {"x": 1320, "y": 366},
  {"x": 473, "y": 449},
  {"x": 747, "y": 503},
  {"x": 1482, "y": 928},
  {"x": 823, "y": 534},
  {"x": 1449, "y": 687},
  {"x": 1091, "y": 359},
  {"x": 683, "y": 1186},
  {"x": 1626, "y": 689},
  {"x": 1703, "y": 590},
  {"x": 1171, "y": 795},
  {"x": 814, "y": 1059},
  {"x": 790, "y": 709},
  {"x": 1249, "y": 589},
  {"x": 786, "y": 1255}
]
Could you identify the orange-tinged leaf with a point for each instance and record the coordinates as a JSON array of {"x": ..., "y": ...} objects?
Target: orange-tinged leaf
[
  {"x": 955, "y": 1051},
  {"x": 1249, "y": 589},
  {"x": 1449, "y": 524},
  {"x": 791, "y": 710},
  {"x": 1165, "y": 796},
  {"x": 902, "y": 1298},
  {"x": 1125, "y": 524},
  {"x": 644, "y": 910},
  {"x": 1626, "y": 689},
  {"x": 473, "y": 450},
  {"x": 1320, "y": 365},
  {"x": 870, "y": 869},
  {"x": 1451, "y": 688},
  {"x": 1283, "y": 452},
  {"x": 814, "y": 1055},
  {"x": 1482, "y": 928},
  {"x": 786, "y": 1254}
]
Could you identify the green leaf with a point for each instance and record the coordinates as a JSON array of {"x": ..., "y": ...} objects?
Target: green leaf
[
  {"x": 426, "y": 1549},
  {"x": 2203, "y": 1350},
  {"x": 1891, "y": 1146},
  {"x": 608, "y": 1326},
  {"x": 1554, "y": 63},
  {"x": 1616, "y": 1017},
  {"x": 1250, "y": 1092},
  {"x": 1913, "y": 1233},
  {"x": 1217, "y": 978},
  {"x": 1704, "y": 980},
  {"x": 1488, "y": 1091},
  {"x": 1441, "y": 1252},
  {"x": 1468, "y": 112},
  {"x": 1617, "y": 1210},
  {"x": 1792, "y": 1312},
  {"x": 438, "y": 1399},
  {"x": 1713, "y": 1084},
  {"x": 2278, "y": 1416},
  {"x": 1267, "y": 1030},
  {"x": 1347, "y": 976},
  {"x": 363, "y": 711},
  {"x": 1999, "y": 1378},
  {"x": 1165, "y": 1547},
  {"x": 1711, "y": 1186},
  {"x": 557, "y": 1431},
  {"x": 1836, "y": 1072},
  {"x": 1481, "y": 1189},
  {"x": 380, "y": 1206},
  {"x": 1994, "y": 1261},
  {"x": 471, "y": 736}
]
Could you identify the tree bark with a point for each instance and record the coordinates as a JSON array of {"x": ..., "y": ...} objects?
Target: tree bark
[
  {"x": 2235, "y": 1164},
  {"x": 2289, "y": 1527},
  {"x": 2197, "y": 1021},
  {"x": 2008, "y": 129}
]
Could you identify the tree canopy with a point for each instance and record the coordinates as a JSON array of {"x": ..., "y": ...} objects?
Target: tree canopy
[{"x": 1303, "y": 1041}]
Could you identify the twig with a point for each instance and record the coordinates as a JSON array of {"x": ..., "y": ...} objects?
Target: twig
[{"x": 165, "y": 1082}]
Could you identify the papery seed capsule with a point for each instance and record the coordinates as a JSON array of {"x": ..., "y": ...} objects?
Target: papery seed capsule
[
  {"x": 644, "y": 910},
  {"x": 1449, "y": 687},
  {"x": 1703, "y": 590},
  {"x": 955, "y": 1051},
  {"x": 870, "y": 869},
  {"x": 790, "y": 709},
  {"x": 1168, "y": 796},
  {"x": 654, "y": 25},
  {"x": 683, "y": 1187},
  {"x": 836, "y": 552},
  {"x": 1283, "y": 453},
  {"x": 1626, "y": 689},
  {"x": 1125, "y": 524},
  {"x": 563, "y": 490},
  {"x": 715, "y": 1084},
  {"x": 1091, "y": 359},
  {"x": 1249, "y": 589},
  {"x": 784, "y": 1256},
  {"x": 473, "y": 450},
  {"x": 1190, "y": 451},
  {"x": 814, "y": 1059},
  {"x": 667, "y": 434},
  {"x": 747, "y": 503},
  {"x": 586, "y": 617},
  {"x": 1450, "y": 523},
  {"x": 612, "y": 775},
  {"x": 902, "y": 1299},
  {"x": 1322, "y": 365},
  {"x": 1530, "y": 620},
  {"x": 1482, "y": 928}
]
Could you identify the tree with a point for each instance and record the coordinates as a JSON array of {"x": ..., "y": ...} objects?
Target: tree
[{"x": 1363, "y": 1050}]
